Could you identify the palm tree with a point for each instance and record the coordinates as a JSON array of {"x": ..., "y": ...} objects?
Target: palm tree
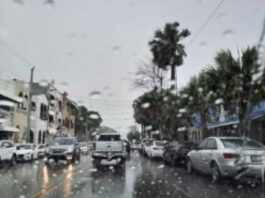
[
  {"x": 166, "y": 47},
  {"x": 238, "y": 86}
]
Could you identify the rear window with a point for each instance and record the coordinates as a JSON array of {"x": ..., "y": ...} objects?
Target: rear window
[
  {"x": 159, "y": 143},
  {"x": 240, "y": 143},
  {"x": 109, "y": 138},
  {"x": 24, "y": 147},
  {"x": 188, "y": 144}
]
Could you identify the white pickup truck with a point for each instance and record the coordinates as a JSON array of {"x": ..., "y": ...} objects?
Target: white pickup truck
[
  {"x": 109, "y": 150},
  {"x": 8, "y": 152}
]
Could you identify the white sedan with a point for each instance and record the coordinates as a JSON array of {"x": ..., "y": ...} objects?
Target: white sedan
[
  {"x": 156, "y": 149},
  {"x": 26, "y": 152}
]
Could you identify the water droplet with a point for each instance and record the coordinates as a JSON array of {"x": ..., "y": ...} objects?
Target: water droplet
[
  {"x": 18, "y": 2},
  {"x": 94, "y": 94},
  {"x": 228, "y": 33},
  {"x": 145, "y": 105},
  {"x": 203, "y": 44},
  {"x": 161, "y": 166}
]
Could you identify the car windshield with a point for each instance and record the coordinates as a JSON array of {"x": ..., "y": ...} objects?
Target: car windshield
[
  {"x": 109, "y": 138},
  {"x": 63, "y": 141},
  {"x": 82, "y": 76},
  {"x": 24, "y": 147},
  {"x": 241, "y": 143}
]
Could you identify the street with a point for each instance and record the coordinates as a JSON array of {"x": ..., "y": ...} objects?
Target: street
[{"x": 142, "y": 178}]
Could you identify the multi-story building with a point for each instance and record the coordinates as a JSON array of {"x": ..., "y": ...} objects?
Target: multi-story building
[
  {"x": 21, "y": 89},
  {"x": 70, "y": 112},
  {"x": 55, "y": 110},
  {"x": 8, "y": 104},
  {"x": 51, "y": 112}
]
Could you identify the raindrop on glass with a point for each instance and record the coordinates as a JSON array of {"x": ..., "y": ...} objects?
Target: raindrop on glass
[{"x": 228, "y": 33}]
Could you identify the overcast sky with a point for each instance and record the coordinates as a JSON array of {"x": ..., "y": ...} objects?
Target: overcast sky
[{"x": 95, "y": 45}]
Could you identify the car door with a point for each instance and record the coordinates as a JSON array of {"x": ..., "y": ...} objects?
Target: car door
[
  {"x": 208, "y": 153},
  {"x": 197, "y": 156},
  {"x": 3, "y": 150},
  {"x": 9, "y": 150}
]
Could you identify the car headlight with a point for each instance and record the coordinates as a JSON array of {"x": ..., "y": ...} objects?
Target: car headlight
[{"x": 70, "y": 150}]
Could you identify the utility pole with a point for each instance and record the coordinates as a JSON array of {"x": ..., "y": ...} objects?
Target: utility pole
[{"x": 29, "y": 105}]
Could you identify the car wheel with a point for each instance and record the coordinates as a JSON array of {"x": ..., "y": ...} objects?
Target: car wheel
[
  {"x": 13, "y": 160},
  {"x": 215, "y": 172},
  {"x": 190, "y": 168}
]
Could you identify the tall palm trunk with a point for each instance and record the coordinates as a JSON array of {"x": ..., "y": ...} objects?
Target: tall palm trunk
[
  {"x": 242, "y": 119},
  {"x": 204, "y": 123},
  {"x": 173, "y": 77}
]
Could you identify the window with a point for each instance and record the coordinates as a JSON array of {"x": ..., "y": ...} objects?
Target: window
[
  {"x": 6, "y": 145},
  {"x": 203, "y": 144},
  {"x": 211, "y": 145},
  {"x": 33, "y": 106},
  {"x": 51, "y": 118},
  {"x": 43, "y": 112},
  {"x": 39, "y": 138}
]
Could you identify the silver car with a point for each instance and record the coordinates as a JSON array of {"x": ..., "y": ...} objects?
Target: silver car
[{"x": 228, "y": 156}]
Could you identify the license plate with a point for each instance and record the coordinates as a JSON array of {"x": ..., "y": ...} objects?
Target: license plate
[{"x": 256, "y": 158}]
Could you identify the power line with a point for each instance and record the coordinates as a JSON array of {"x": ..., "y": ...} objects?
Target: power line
[
  {"x": 11, "y": 72},
  {"x": 16, "y": 54},
  {"x": 206, "y": 22}
]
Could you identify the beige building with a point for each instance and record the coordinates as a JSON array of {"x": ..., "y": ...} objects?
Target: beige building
[
  {"x": 20, "y": 113},
  {"x": 70, "y": 113}
]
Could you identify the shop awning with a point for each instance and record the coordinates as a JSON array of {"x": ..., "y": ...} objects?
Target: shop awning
[
  {"x": 222, "y": 124},
  {"x": 10, "y": 96},
  {"x": 9, "y": 129}
]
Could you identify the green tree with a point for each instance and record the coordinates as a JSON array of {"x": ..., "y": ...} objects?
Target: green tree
[
  {"x": 166, "y": 47},
  {"x": 239, "y": 88},
  {"x": 133, "y": 133}
]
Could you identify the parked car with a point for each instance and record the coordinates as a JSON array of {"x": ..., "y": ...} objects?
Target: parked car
[
  {"x": 64, "y": 148},
  {"x": 26, "y": 152},
  {"x": 227, "y": 156},
  {"x": 146, "y": 144},
  {"x": 155, "y": 149},
  {"x": 136, "y": 145},
  {"x": 84, "y": 147},
  {"x": 176, "y": 152},
  {"x": 8, "y": 152},
  {"x": 41, "y": 150}
]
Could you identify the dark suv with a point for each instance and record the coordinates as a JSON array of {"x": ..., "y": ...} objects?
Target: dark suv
[
  {"x": 65, "y": 148},
  {"x": 176, "y": 152}
]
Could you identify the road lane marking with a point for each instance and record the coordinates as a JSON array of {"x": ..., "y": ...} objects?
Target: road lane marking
[{"x": 44, "y": 192}]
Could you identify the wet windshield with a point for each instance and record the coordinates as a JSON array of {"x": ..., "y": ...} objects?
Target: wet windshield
[
  {"x": 132, "y": 98},
  {"x": 63, "y": 141},
  {"x": 241, "y": 143}
]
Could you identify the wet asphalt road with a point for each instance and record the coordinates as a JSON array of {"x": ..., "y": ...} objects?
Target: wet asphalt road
[{"x": 142, "y": 178}]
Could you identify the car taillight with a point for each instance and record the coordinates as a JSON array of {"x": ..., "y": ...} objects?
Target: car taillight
[
  {"x": 231, "y": 155},
  {"x": 181, "y": 149}
]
